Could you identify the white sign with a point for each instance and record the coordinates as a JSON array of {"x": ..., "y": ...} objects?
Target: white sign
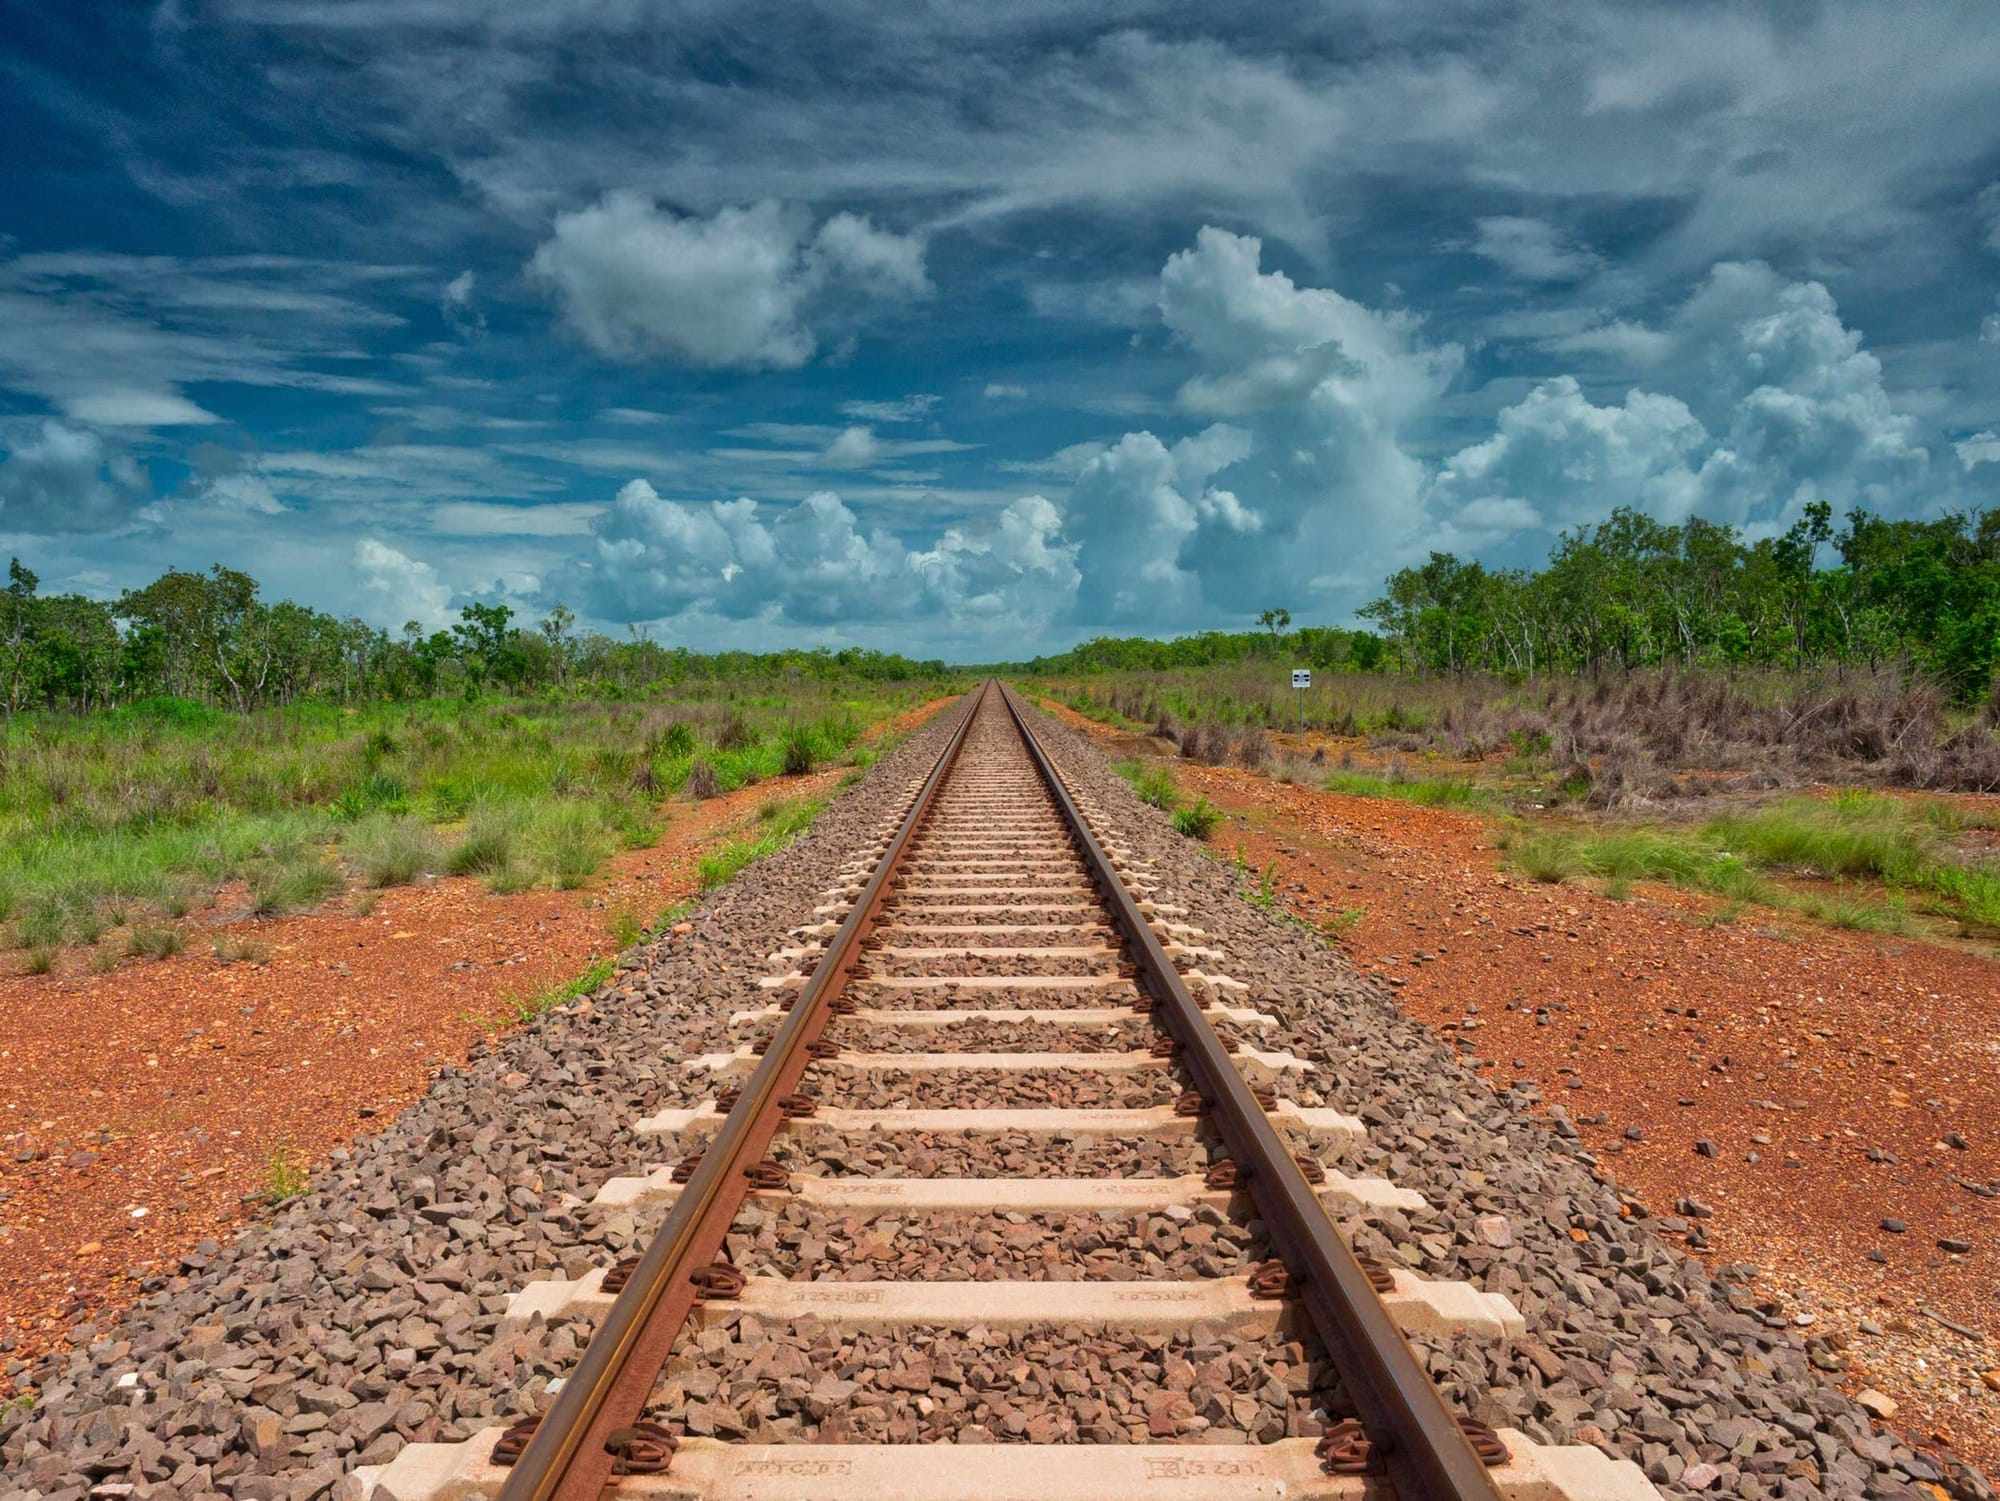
[{"x": 1302, "y": 677}]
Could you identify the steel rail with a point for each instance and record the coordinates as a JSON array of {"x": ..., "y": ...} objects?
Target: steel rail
[
  {"x": 571, "y": 1455},
  {"x": 1408, "y": 1423}
]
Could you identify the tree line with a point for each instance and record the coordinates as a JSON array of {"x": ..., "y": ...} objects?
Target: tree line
[
  {"x": 1629, "y": 592},
  {"x": 1633, "y": 592},
  {"x": 211, "y": 638}
]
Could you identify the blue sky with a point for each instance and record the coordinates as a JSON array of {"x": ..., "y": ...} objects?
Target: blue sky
[{"x": 972, "y": 329}]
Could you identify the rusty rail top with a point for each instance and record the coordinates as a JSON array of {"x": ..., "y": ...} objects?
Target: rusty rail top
[{"x": 593, "y": 1430}]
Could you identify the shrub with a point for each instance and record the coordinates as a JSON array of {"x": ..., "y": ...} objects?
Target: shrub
[
  {"x": 41, "y": 959},
  {"x": 701, "y": 783},
  {"x": 232, "y": 950},
  {"x": 1205, "y": 741},
  {"x": 1157, "y": 787},
  {"x": 735, "y": 733},
  {"x": 1253, "y": 750}
]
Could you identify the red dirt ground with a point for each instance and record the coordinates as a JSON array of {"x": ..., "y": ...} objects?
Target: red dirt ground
[
  {"x": 1824, "y": 1043},
  {"x": 140, "y": 1110}
]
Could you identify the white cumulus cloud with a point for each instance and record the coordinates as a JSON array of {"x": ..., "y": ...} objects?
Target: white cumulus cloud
[
  {"x": 398, "y": 587},
  {"x": 814, "y": 563},
  {"x": 1785, "y": 406},
  {"x": 734, "y": 290}
]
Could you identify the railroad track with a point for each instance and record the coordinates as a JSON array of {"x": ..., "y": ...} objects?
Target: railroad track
[{"x": 999, "y": 977}]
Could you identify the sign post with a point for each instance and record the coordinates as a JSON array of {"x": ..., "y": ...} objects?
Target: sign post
[{"x": 1302, "y": 679}]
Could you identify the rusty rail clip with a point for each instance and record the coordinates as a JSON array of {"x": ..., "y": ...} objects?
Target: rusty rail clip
[
  {"x": 822, "y": 1049},
  {"x": 685, "y": 1169},
  {"x": 1271, "y": 1280},
  {"x": 1312, "y": 1168},
  {"x": 514, "y": 1441},
  {"x": 796, "y": 1107},
  {"x": 726, "y": 1097},
  {"x": 645, "y": 1448},
  {"x": 620, "y": 1274},
  {"x": 767, "y": 1174},
  {"x": 1166, "y": 1047},
  {"x": 717, "y": 1280},
  {"x": 1379, "y": 1276},
  {"x": 1189, "y": 1104},
  {"x": 1225, "y": 1174},
  {"x": 1345, "y": 1449},
  {"x": 1485, "y": 1442}
]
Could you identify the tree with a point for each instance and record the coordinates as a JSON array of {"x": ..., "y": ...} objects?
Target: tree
[
  {"x": 1275, "y": 620},
  {"x": 556, "y": 628},
  {"x": 17, "y": 610}
]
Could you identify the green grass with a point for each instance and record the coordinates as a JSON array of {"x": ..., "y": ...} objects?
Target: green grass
[
  {"x": 518, "y": 1008},
  {"x": 154, "y": 943},
  {"x": 229, "y": 949},
  {"x": 143, "y": 813},
  {"x": 1864, "y": 843},
  {"x": 624, "y": 928},
  {"x": 285, "y": 1175},
  {"x": 1432, "y": 792},
  {"x": 393, "y": 850},
  {"x": 293, "y": 885},
  {"x": 778, "y": 823},
  {"x": 1198, "y": 819},
  {"x": 1153, "y": 784},
  {"x": 1337, "y": 925},
  {"x": 492, "y": 834}
]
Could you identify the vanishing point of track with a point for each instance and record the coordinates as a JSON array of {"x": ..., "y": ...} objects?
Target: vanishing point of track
[{"x": 995, "y": 894}]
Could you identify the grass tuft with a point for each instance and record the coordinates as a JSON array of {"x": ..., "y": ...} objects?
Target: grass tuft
[
  {"x": 393, "y": 851},
  {"x": 285, "y": 1175},
  {"x": 295, "y": 884},
  {"x": 155, "y": 943},
  {"x": 1199, "y": 819}
]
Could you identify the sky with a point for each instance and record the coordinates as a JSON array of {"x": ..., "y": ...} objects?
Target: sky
[{"x": 972, "y": 330}]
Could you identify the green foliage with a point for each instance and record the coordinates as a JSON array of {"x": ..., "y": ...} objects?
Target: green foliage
[
  {"x": 624, "y": 928},
  {"x": 1633, "y": 592},
  {"x": 535, "y": 1004},
  {"x": 293, "y": 884},
  {"x": 778, "y": 824},
  {"x": 154, "y": 943},
  {"x": 800, "y": 751},
  {"x": 286, "y": 1175},
  {"x": 393, "y": 851},
  {"x": 1881, "y": 841},
  {"x": 1153, "y": 784},
  {"x": 1430, "y": 791},
  {"x": 1199, "y": 819}
]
